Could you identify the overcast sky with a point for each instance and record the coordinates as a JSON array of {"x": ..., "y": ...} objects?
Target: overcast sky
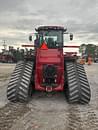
[{"x": 18, "y": 18}]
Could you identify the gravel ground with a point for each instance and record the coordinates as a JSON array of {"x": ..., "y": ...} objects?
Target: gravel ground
[
  {"x": 5, "y": 73},
  {"x": 48, "y": 111}
]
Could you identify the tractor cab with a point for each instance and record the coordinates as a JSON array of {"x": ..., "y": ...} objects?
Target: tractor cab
[{"x": 52, "y": 36}]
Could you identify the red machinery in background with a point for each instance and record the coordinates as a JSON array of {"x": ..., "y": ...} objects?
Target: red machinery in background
[{"x": 7, "y": 57}]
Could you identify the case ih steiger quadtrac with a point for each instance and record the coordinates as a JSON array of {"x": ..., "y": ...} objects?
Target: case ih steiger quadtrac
[{"x": 49, "y": 69}]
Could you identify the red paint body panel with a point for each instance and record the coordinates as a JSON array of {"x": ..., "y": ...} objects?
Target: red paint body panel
[
  {"x": 71, "y": 46},
  {"x": 49, "y": 57},
  {"x": 63, "y": 46},
  {"x": 28, "y": 46}
]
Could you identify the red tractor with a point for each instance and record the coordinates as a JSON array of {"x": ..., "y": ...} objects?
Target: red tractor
[{"x": 49, "y": 70}]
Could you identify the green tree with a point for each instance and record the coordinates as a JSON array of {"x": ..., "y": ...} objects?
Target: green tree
[
  {"x": 81, "y": 47},
  {"x": 90, "y": 49}
]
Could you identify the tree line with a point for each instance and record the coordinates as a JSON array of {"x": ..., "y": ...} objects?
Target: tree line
[{"x": 89, "y": 50}]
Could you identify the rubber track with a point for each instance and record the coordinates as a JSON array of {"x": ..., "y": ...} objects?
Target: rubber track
[
  {"x": 18, "y": 87},
  {"x": 78, "y": 89},
  {"x": 85, "y": 88}
]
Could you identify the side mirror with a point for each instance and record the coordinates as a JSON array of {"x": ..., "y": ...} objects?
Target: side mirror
[
  {"x": 71, "y": 37},
  {"x": 30, "y": 38}
]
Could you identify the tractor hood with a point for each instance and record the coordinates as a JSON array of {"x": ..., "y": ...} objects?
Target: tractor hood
[{"x": 49, "y": 56}]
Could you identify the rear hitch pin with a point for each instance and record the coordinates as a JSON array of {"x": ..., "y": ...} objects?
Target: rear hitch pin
[{"x": 48, "y": 89}]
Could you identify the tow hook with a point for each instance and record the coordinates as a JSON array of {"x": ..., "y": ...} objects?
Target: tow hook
[{"x": 48, "y": 89}]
